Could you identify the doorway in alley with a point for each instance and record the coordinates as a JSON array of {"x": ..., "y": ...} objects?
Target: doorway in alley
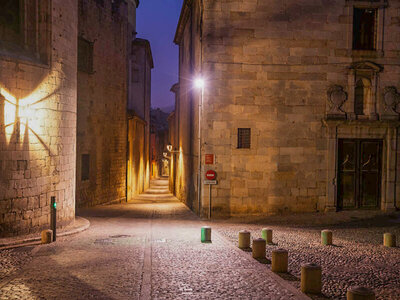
[{"x": 359, "y": 173}]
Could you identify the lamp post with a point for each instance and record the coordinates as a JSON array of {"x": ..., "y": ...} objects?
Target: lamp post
[{"x": 199, "y": 84}]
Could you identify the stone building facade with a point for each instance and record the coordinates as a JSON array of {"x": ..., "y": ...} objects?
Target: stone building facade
[
  {"x": 105, "y": 35},
  {"x": 139, "y": 102},
  {"x": 300, "y": 107},
  {"x": 38, "y": 62},
  {"x": 65, "y": 86}
]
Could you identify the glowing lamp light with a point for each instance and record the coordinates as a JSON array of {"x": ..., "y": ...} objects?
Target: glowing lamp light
[
  {"x": 169, "y": 148},
  {"x": 165, "y": 154},
  {"x": 199, "y": 83}
]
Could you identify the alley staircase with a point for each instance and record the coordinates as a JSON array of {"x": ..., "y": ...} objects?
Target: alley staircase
[{"x": 156, "y": 193}]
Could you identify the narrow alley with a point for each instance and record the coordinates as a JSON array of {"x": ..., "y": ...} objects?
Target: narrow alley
[{"x": 147, "y": 249}]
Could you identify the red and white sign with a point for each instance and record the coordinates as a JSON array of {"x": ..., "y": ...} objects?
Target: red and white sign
[
  {"x": 209, "y": 159},
  {"x": 211, "y": 175}
]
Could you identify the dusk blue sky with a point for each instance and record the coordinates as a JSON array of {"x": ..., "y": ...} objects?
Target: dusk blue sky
[{"x": 156, "y": 21}]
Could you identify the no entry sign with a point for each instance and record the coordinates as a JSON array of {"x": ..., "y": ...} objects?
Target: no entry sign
[{"x": 211, "y": 175}]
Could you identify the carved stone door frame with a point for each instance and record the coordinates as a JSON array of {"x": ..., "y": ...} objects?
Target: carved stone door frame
[{"x": 385, "y": 131}]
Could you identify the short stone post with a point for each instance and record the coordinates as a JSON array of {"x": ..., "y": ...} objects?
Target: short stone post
[
  {"x": 360, "y": 293},
  {"x": 311, "y": 279},
  {"x": 266, "y": 234},
  {"x": 244, "y": 239},
  {"x": 47, "y": 236},
  {"x": 279, "y": 262},
  {"x": 258, "y": 248},
  {"x": 326, "y": 237},
  {"x": 389, "y": 240},
  {"x": 206, "y": 234}
]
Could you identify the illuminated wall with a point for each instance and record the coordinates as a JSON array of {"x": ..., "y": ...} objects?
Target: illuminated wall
[
  {"x": 139, "y": 103},
  {"x": 38, "y": 117},
  {"x": 138, "y": 180},
  {"x": 102, "y": 103},
  {"x": 279, "y": 70}
]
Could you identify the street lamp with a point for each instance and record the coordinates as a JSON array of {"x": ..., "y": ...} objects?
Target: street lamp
[{"x": 199, "y": 83}]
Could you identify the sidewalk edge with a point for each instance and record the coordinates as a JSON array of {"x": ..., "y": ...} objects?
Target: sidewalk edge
[{"x": 36, "y": 240}]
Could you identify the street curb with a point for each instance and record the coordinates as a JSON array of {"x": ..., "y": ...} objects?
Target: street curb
[{"x": 36, "y": 240}]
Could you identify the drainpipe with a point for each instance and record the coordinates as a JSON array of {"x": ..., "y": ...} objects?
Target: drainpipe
[{"x": 395, "y": 173}]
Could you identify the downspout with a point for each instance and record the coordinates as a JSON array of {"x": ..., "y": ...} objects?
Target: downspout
[{"x": 395, "y": 173}]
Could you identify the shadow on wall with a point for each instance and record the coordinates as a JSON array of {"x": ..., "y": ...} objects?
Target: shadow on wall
[{"x": 29, "y": 114}]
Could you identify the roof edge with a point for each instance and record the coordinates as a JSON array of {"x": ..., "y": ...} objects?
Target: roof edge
[
  {"x": 145, "y": 43},
  {"x": 187, "y": 4}
]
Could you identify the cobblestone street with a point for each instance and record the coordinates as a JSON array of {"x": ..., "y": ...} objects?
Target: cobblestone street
[
  {"x": 147, "y": 249},
  {"x": 150, "y": 249}
]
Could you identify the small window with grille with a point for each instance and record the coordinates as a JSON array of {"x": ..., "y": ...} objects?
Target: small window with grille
[
  {"x": 244, "y": 138},
  {"x": 85, "y": 167}
]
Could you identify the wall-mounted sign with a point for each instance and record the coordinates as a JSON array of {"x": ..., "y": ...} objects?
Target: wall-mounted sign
[
  {"x": 209, "y": 159},
  {"x": 210, "y": 182},
  {"x": 211, "y": 175}
]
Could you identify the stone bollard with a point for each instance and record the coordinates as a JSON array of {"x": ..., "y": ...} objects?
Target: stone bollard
[
  {"x": 360, "y": 293},
  {"x": 266, "y": 234},
  {"x": 279, "y": 262},
  {"x": 311, "y": 279},
  {"x": 326, "y": 237},
  {"x": 244, "y": 239},
  {"x": 389, "y": 240},
  {"x": 258, "y": 248},
  {"x": 47, "y": 236},
  {"x": 206, "y": 234}
]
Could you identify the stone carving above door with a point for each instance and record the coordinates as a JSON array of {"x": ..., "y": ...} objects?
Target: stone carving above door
[
  {"x": 336, "y": 97},
  {"x": 391, "y": 101}
]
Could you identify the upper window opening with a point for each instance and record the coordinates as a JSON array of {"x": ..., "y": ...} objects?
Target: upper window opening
[
  {"x": 10, "y": 20},
  {"x": 85, "y": 56},
  {"x": 364, "y": 28},
  {"x": 244, "y": 138}
]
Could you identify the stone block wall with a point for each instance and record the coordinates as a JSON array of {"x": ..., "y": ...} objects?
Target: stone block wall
[
  {"x": 269, "y": 67},
  {"x": 38, "y": 122},
  {"x": 102, "y": 105}
]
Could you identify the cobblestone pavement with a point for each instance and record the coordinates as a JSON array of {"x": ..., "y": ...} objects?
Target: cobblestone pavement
[
  {"x": 149, "y": 248},
  {"x": 356, "y": 258}
]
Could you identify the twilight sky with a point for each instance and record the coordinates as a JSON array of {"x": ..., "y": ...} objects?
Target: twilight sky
[{"x": 156, "y": 21}]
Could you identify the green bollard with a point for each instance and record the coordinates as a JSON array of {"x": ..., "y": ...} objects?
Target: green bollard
[
  {"x": 206, "y": 234},
  {"x": 266, "y": 234}
]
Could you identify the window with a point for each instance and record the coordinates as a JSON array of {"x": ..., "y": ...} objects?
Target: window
[
  {"x": 85, "y": 56},
  {"x": 25, "y": 29},
  {"x": 85, "y": 167},
  {"x": 364, "y": 28},
  {"x": 10, "y": 21},
  {"x": 244, "y": 138}
]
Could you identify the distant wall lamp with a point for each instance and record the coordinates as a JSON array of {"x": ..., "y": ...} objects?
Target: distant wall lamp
[{"x": 169, "y": 148}]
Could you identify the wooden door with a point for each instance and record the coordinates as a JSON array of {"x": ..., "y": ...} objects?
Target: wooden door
[{"x": 359, "y": 173}]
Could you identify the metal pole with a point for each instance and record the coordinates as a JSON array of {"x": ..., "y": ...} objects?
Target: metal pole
[
  {"x": 209, "y": 208},
  {"x": 199, "y": 158},
  {"x": 53, "y": 217}
]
